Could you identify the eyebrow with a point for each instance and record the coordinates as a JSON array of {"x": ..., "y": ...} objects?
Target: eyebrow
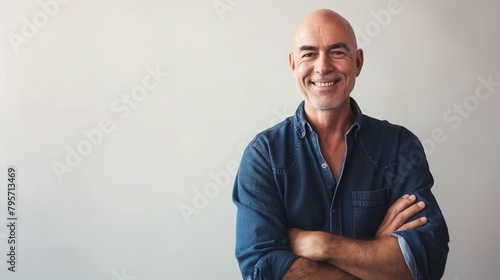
[{"x": 331, "y": 47}]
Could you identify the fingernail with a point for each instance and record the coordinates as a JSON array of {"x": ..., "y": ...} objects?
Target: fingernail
[
  {"x": 421, "y": 204},
  {"x": 412, "y": 197},
  {"x": 423, "y": 219},
  {"x": 405, "y": 196}
]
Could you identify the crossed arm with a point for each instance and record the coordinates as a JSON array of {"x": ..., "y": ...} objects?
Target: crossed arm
[{"x": 327, "y": 256}]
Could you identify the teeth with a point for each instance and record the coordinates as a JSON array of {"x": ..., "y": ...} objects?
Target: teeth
[{"x": 324, "y": 84}]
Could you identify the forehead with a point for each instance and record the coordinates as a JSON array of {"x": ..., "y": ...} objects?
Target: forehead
[{"x": 324, "y": 33}]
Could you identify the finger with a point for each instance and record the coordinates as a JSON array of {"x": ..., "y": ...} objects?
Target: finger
[
  {"x": 399, "y": 206},
  {"x": 398, "y": 214},
  {"x": 413, "y": 224},
  {"x": 407, "y": 213},
  {"x": 404, "y": 202}
]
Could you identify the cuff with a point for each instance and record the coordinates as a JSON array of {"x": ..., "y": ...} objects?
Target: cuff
[{"x": 407, "y": 254}]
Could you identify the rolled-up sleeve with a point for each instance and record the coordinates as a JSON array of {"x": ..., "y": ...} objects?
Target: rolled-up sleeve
[
  {"x": 261, "y": 232},
  {"x": 428, "y": 243},
  {"x": 407, "y": 255}
]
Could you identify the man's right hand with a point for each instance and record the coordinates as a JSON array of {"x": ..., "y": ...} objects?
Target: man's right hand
[{"x": 398, "y": 214}]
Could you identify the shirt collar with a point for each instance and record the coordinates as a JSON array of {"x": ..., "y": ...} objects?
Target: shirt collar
[{"x": 301, "y": 124}]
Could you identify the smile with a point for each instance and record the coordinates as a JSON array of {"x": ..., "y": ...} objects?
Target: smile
[{"x": 327, "y": 84}]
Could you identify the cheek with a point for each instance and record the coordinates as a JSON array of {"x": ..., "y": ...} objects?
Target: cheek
[
  {"x": 302, "y": 71},
  {"x": 347, "y": 67}
]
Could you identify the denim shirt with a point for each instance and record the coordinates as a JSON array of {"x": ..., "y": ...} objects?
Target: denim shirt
[{"x": 284, "y": 182}]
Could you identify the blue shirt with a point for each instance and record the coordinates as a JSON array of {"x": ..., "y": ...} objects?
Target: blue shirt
[{"x": 284, "y": 182}]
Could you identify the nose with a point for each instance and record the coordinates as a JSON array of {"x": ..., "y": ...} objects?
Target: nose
[{"x": 323, "y": 65}]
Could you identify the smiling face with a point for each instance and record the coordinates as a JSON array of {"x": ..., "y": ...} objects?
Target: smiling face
[{"x": 325, "y": 61}]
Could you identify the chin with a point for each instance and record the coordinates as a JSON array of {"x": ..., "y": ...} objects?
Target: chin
[{"x": 328, "y": 106}]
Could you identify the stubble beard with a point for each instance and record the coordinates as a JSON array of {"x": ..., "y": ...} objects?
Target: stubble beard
[{"x": 330, "y": 105}]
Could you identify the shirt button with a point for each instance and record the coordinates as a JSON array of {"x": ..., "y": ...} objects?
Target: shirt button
[
  {"x": 334, "y": 211},
  {"x": 324, "y": 165},
  {"x": 303, "y": 134}
]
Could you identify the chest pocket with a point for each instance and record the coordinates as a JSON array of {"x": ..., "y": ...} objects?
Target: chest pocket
[{"x": 369, "y": 209}]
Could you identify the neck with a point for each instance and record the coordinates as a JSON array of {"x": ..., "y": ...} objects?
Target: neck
[{"x": 331, "y": 123}]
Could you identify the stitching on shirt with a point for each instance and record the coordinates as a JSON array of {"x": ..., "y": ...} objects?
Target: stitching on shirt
[
  {"x": 373, "y": 161},
  {"x": 361, "y": 142},
  {"x": 411, "y": 140},
  {"x": 280, "y": 171},
  {"x": 261, "y": 151},
  {"x": 391, "y": 163}
]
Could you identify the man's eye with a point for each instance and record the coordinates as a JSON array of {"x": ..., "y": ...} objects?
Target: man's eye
[
  {"x": 338, "y": 53},
  {"x": 308, "y": 55}
]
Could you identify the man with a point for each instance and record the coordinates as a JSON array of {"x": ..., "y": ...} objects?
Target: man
[{"x": 331, "y": 193}]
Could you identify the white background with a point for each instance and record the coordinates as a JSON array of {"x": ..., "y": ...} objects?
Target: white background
[{"x": 115, "y": 213}]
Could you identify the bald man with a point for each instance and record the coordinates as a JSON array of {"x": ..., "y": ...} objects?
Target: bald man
[{"x": 331, "y": 193}]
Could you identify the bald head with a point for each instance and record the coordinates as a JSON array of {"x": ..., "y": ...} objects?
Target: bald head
[{"x": 321, "y": 22}]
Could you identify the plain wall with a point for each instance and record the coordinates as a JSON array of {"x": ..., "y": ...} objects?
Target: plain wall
[{"x": 126, "y": 121}]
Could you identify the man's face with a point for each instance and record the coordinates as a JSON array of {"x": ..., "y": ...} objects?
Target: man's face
[{"x": 325, "y": 62}]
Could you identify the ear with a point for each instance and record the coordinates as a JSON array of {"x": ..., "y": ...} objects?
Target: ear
[
  {"x": 291, "y": 61},
  {"x": 359, "y": 61}
]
